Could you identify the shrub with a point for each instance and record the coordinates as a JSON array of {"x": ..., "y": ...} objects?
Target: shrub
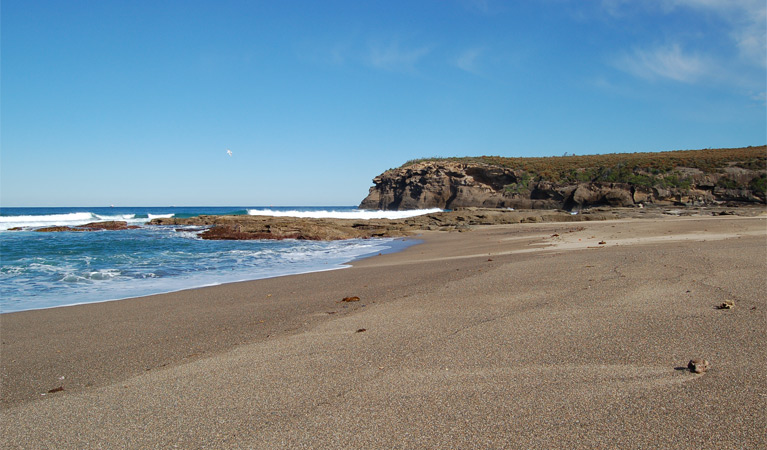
[
  {"x": 642, "y": 169},
  {"x": 522, "y": 184},
  {"x": 727, "y": 183},
  {"x": 759, "y": 184}
]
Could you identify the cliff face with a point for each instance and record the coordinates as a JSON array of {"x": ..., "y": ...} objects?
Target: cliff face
[{"x": 451, "y": 184}]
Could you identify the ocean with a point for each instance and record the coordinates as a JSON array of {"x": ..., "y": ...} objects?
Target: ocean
[{"x": 45, "y": 270}]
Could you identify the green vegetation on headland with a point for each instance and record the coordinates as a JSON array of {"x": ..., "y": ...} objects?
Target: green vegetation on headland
[
  {"x": 684, "y": 177},
  {"x": 672, "y": 169}
]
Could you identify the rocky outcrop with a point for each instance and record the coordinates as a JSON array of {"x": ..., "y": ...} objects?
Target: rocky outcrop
[
  {"x": 451, "y": 184},
  {"x": 93, "y": 226},
  {"x": 265, "y": 227}
]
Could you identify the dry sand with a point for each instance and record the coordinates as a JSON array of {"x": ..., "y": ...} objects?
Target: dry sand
[{"x": 514, "y": 336}]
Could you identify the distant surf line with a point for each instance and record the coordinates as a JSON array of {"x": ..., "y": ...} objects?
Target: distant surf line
[{"x": 358, "y": 214}]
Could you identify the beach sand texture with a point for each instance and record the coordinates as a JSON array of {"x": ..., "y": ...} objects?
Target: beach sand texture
[{"x": 557, "y": 335}]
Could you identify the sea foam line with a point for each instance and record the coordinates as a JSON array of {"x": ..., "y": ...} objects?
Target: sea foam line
[
  {"x": 75, "y": 218},
  {"x": 355, "y": 214},
  {"x": 72, "y": 219}
]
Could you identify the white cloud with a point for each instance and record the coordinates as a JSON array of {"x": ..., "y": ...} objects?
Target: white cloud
[
  {"x": 338, "y": 52},
  {"x": 480, "y": 6},
  {"x": 725, "y": 43},
  {"x": 752, "y": 43},
  {"x": 663, "y": 62},
  {"x": 468, "y": 60},
  {"x": 394, "y": 57},
  {"x": 745, "y": 19},
  {"x": 615, "y": 8}
]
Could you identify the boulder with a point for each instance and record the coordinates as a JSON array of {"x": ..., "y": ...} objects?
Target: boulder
[{"x": 698, "y": 365}]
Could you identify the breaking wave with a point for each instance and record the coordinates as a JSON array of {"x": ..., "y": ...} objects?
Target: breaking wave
[
  {"x": 71, "y": 268},
  {"x": 67, "y": 219},
  {"x": 75, "y": 218},
  {"x": 47, "y": 217},
  {"x": 353, "y": 214}
]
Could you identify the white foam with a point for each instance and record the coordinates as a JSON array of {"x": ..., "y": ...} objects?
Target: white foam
[
  {"x": 73, "y": 284},
  {"x": 103, "y": 274},
  {"x": 68, "y": 219},
  {"x": 73, "y": 278},
  {"x": 76, "y": 218},
  {"x": 117, "y": 217},
  {"x": 159, "y": 216},
  {"x": 355, "y": 214}
]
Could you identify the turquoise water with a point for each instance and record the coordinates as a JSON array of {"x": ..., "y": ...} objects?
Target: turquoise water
[{"x": 43, "y": 270}]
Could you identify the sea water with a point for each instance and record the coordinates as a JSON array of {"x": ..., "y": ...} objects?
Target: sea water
[{"x": 44, "y": 270}]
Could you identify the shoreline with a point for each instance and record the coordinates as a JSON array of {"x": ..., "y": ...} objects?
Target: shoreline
[
  {"x": 413, "y": 239},
  {"x": 38, "y": 275},
  {"x": 520, "y": 298},
  {"x": 391, "y": 247}
]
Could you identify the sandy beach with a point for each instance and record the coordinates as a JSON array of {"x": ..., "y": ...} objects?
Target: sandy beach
[{"x": 555, "y": 335}]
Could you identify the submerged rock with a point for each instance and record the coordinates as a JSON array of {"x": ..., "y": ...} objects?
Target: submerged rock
[
  {"x": 56, "y": 229},
  {"x": 93, "y": 226},
  {"x": 110, "y": 225}
]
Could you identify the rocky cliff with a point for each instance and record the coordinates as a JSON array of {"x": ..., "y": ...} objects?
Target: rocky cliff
[{"x": 690, "y": 177}]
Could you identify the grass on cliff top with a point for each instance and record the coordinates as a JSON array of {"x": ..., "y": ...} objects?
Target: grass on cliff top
[{"x": 563, "y": 167}]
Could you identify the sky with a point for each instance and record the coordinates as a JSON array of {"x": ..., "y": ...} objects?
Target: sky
[{"x": 135, "y": 103}]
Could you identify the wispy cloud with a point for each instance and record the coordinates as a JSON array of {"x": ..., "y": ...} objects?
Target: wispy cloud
[
  {"x": 395, "y": 57},
  {"x": 480, "y": 6},
  {"x": 338, "y": 52},
  {"x": 468, "y": 60},
  {"x": 746, "y": 20},
  {"x": 760, "y": 97},
  {"x": 725, "y": 44},
  {"x": 752, "y": 41},
  {"x": 334, "y": 52},
  {"x": 615, "y": 8},
  {"x": 668, "y": 62}
]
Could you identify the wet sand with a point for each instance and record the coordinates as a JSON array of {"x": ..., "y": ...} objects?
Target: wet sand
[{"x": 557, "y": 335}]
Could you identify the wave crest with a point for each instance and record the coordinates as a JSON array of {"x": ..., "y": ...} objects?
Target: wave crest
[
  {"x": 357, "y": 214},
  {"x": 74, "y": 218}
]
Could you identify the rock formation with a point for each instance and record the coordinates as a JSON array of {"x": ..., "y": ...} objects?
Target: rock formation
[
  {"x": 93, "y": 226},
  {"x": 266, "y": 227},
  {"x": 242, "y": 227},
  {"x": 731, "y": 176}
]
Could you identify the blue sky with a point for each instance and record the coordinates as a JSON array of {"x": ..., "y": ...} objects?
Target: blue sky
[{"x": 136, "y": 102}]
